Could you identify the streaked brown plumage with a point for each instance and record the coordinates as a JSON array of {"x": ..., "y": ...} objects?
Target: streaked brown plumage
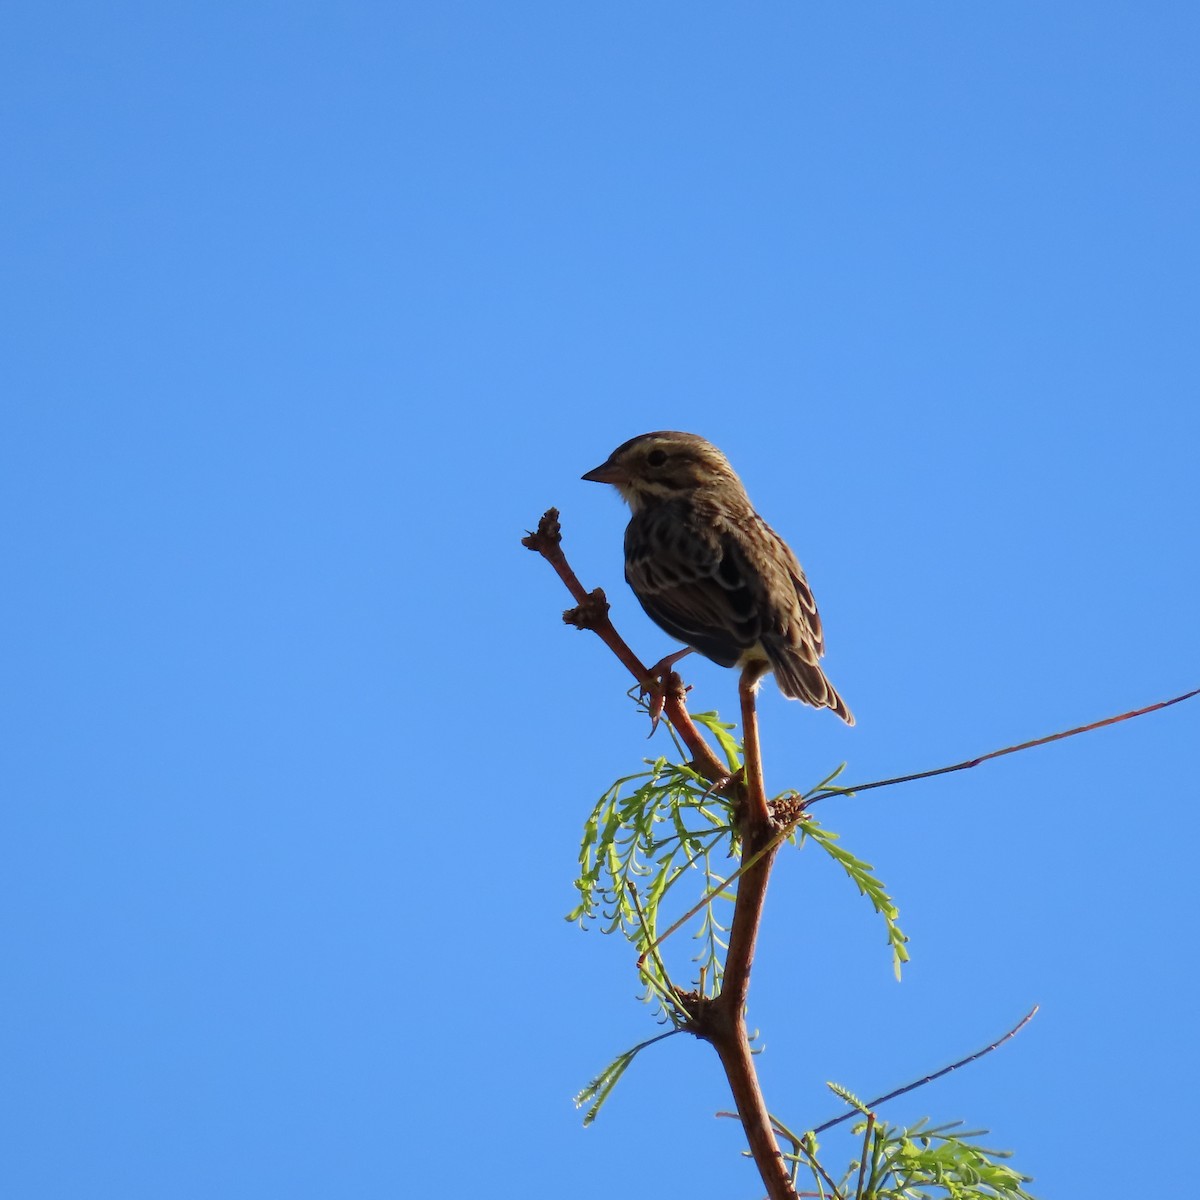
[{"x": 710, "y": 571}]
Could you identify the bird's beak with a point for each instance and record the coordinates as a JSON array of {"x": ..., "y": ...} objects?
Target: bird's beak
[{"x": 607, "y": 472}]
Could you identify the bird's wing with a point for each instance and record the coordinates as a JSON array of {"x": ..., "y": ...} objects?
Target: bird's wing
[
  {"x": 799, "y": 622},
  {"x": 697, "y": 585}
]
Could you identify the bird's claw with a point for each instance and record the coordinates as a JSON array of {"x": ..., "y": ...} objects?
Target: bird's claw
[
  {"x": 657, "y": 694},
  {"x": 654, "y": 690}
]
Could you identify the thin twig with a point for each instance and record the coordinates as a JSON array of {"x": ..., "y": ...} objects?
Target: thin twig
[
  {"x": 866, "y": 787},
  {"x": 748, "y": 862},
  {"x": 908, "y": 1087},
  {"x": 670, "y": 988},
  {"x": 862, "y": 1167},
  {"x": 974, "y": 762},
  {"x": 802, "y": 1148}
]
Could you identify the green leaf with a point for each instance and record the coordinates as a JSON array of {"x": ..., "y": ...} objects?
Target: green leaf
[
  {"x": 600, "y": 1088},
  {"x": 731, "y": 748},
  {"x": 846, "y": 1094},
  {"x": 864, "y": 878}
]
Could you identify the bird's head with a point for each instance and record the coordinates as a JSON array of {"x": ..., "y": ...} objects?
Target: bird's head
[{"x": 655, "y": 467}]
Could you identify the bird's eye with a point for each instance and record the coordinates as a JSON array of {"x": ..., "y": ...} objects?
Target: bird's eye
[{"x": 656, "y": 458}]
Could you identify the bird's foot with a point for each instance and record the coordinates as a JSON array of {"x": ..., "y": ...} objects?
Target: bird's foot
[{"x": 659, "y": 683}]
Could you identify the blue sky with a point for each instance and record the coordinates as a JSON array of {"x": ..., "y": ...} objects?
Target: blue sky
[{"x": 312, "y": 309}]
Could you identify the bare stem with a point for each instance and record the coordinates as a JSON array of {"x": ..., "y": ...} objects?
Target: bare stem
[
  {"x": 909, "y": 1087},
  {"x": 967, "y": 764}
]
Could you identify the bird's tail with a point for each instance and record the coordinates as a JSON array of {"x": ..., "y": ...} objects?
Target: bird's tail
[{"x": 799, "y": 679}]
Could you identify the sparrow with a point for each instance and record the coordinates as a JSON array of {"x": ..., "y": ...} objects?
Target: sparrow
[{"x": 710, "y": 571}]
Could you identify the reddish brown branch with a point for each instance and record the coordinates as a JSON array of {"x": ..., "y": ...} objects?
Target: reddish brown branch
[
  {"x": 757, "y": 832},
  {"x": 591, "y": 612},
  {"x": 727, "y": 1028},
  {"x": 727, "y": 1033},
  {"x": 752, "y": 770},
  {"x": 721, "y": 1021}
]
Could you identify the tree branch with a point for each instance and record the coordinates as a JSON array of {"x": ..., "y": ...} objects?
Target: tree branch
[
  {"x": 727, "y": 1033},
  {"x": 726, "y": 1027},
  {"x": 591, "y": 612},
  {"x": 720, "y": 1021}
]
